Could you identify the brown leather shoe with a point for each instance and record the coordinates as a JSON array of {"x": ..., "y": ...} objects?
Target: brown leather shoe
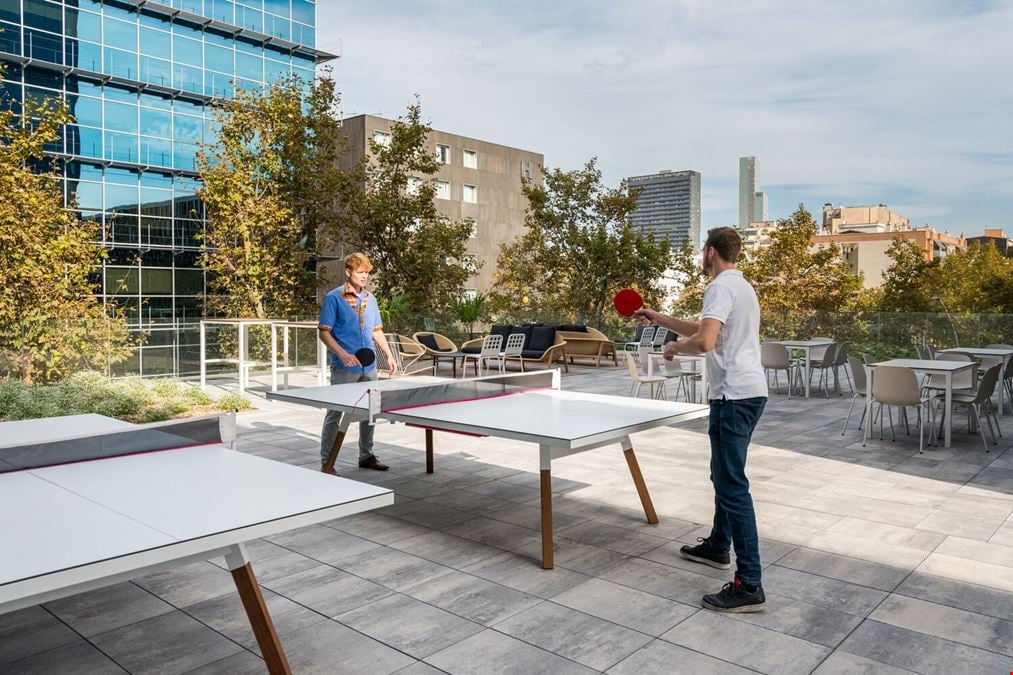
[{"x": 372, "y": 463}]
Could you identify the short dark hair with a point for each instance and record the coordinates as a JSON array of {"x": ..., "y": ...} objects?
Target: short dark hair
[{"x": 726, "y": 241}]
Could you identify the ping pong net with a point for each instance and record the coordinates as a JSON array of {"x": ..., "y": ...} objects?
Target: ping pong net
[
  {"x": 170, "y": 435},
  {"x": 457, "y": 391}
]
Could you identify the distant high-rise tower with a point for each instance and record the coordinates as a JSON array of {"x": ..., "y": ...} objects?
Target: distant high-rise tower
[
  {"x": 668, "y": 205},
  {"x": 752, "y": 202}
]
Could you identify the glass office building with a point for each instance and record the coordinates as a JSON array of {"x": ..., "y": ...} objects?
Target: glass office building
[{"x": 138, "y": 77}]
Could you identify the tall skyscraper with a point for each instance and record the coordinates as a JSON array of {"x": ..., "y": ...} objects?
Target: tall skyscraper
[
  {"x": 138, "y": 77},
  {"x": 668, "y": 205},
  {"x": 752, "y": 202}
]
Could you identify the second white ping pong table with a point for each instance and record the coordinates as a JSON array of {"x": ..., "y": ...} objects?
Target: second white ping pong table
[{"x": 527, "y": 407}]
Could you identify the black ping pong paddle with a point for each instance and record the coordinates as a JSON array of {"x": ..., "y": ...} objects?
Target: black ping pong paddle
[
  {"x": 627, "y": 301},
  {"x": 366, "y": 356}
]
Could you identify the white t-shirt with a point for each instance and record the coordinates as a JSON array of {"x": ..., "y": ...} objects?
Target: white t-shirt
[{"x": 733, "y": 366}]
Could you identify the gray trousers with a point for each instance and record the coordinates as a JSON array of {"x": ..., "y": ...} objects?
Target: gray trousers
[{"x": 333, "y": 417}]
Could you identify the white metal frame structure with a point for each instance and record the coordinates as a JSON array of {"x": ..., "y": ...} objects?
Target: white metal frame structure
[
  {"x": 243, "y": 362},
  {"x": 284, "y": 368},
  {"x": 560, "y": 423}
]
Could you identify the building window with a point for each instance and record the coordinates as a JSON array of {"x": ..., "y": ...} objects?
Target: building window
[
  {"x": 526, "y": 170},
  {"x": 414, "y": 184},
  {"x": 381, "y": 138},
  {"x": 442, "y": 189},
  {"x": 470, "y": 159},
  {"x": 443, "y": 154},
  {"x": 470, "y": 194}
]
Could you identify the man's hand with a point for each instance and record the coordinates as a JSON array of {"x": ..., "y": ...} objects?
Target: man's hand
[
  {"x": 646, "y": 316},
  {"x": 392, "y": 367},
  {"x": 348, "y": 359},
  {"x": 671, "y": 350}
]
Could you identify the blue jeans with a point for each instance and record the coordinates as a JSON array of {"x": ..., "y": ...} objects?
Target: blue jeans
[
  {"x": 333, "y": 418},
  {"x": 731, "y": 427}
]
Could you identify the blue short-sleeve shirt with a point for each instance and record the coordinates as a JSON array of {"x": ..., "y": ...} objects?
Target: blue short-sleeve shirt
[{"x": 351, "y": 317}]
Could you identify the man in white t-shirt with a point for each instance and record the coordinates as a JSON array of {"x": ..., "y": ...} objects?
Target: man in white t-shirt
[{"x": 728, "y": 333}]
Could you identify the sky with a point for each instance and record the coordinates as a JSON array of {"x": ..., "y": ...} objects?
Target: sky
[{"x": 903, "y": 102}]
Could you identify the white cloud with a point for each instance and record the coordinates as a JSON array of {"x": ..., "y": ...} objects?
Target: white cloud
[{"x": 858, "y": 102}]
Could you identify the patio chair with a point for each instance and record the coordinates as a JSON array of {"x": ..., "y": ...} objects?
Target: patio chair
[
  {"x": 774, "y": 356},
  {"x": 660, "y": 338},
  {"x": 981, "y": 401},
  {"x": 989, "y": 361},
  {"x": 825, "y": 366},
  {"x": 898, "y": 387},
  {"x": 861, "y": 390},
  {"x": 841, "y": 361},
  {"x": 655, "y": 383},
  {"x": 673, "y": 370},
  {"x": 492, "y": 348},
  {"x": 961, "y": 381},
  {"x": 644, "y": 338},
  {"x": 514, "y": 348},
  {"x": 406, "y": 353}
]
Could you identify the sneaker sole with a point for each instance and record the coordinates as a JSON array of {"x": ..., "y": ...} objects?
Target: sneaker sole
[
  {"x": 705, "y": 561},
  {"x": 744, "y": 609}
]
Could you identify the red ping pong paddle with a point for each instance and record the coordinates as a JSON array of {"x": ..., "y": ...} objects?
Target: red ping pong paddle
[
  {"x": 627, "y": 301},
  {"x": 366, "y": 356}
]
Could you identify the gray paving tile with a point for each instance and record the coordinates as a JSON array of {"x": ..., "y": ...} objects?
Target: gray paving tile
[
  {"x": 842, "y": 663},
  {"x": 983, "y": 600},
  {"x": 394, "y": 569},
  {"x": 813, "y": 623},
  {"x": 107, "y": 608},
  {"x": 190, "y": 584},
  {"x": 667, "y": 527},
  {"x": 409, "y": 625},
  {"x": 530, "y": 517},
  {"x": 420, "y": 668},
  {"x": 30, "y": 631},
  {"x": 426, "y": 513},
  {"x": 670, "y": 556},
  {"x": 78, "y": 657},
  {"x": 328, "y": 647},
  {"x": 822, "y": 591},
  {"x": 958, "y": 625},
  {"x": 493, "y": 533},
  {"x": 921, "y": 653},
  {"x": 493, "y": 652},
  {"x": 227, "y": 616},
  {"x": 747, "y": 645},
  {"x": 586, "y": 639},
  {"x": 271, "y": 561},
  {"x": 324, "y": 544},
  {"x": 446, "y": 549},
  {"x": 168, "y": 643},
  {"x": 524, "y": 574},
  {"x": 243, "y": 663},
  {"x": 662, "y": 580},
  {"x": 327, "y": 590},
  {"x": 620, "y": 539},
  {"x": 473, "y": 598},
  {"x": 851, "y": 570},
  {"x": 625, "y": 606},
  {"x": 510, "y": 491},
  {"x": 377, "y": 528},
  {"x": 662, "y": 658}
]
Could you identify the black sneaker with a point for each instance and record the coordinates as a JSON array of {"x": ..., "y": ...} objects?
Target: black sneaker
[
  {"x": 735, "y": 597},
  {"x": 706, "y": 554}
]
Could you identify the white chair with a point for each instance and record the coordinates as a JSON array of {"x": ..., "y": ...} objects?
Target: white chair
[
  {"x": 659, "y": 338},
  {"x": 893, "y": 386},
  {"x": 774, "y": 356},
  {"x": 514, "y": 348},
  {"x": 655, "y": 383},
  {"x": 861, "y": 390},
  {"x": 492, "y": 351},
  {"x": 673, "y": 370},
  {"x": 646, "y": 336},
  {"x": 646, "y": 341},
  {"x": 406, "y": 353}
]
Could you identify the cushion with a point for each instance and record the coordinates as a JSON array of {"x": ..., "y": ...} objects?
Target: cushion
[
  {"x": 638, "y": 333},
  {"x": 532, "y": 354},
  {"x": 525, "y": 330},
  {"x": 503, "y": 329},
  {"x": 472, "y": 349},
  {"x": 542, "y": 337},
  {"x": 430, "y": 342},
  {"x": 573, "y": 327}
]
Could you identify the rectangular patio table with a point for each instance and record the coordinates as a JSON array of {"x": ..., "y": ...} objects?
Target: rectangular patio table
[
  {"x": 944, "y": 368},
  {"x": 1004, "y": 354},
  {"x": 807, "y": 346}
]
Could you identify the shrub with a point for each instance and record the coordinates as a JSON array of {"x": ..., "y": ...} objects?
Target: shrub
[{"x": 233, "y": 401}]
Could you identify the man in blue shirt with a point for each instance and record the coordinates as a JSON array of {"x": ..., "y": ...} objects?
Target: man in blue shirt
[{"x": 349, "y": 321}]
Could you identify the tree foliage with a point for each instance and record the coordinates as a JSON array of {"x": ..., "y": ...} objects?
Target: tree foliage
[
  {"x": 390, "y": 215},
  {"x": 692, "y": 281},
  {"x": 51, "y": 322},
  {"x": 270, "y": 184},
  {"x": 579, "y": 249}
]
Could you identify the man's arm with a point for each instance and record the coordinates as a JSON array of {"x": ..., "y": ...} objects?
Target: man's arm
[
  {"x": 680, "y": 326},
  {"x": 700, "y": 342}
]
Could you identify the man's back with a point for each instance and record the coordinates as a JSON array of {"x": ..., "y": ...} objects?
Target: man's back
[{"x": 733, "y": 366}]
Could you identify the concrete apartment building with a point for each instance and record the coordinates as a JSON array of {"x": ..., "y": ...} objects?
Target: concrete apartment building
[
  {"x": 478, "y": 181},
  {"x": 865, "y": 234},
  {"x": 752, "y": 201},
  {"x": 757, "y": 234},
  {"x": 668, "y": 205}
]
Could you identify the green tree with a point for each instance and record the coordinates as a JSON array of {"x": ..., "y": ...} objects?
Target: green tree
[
  {"x": 51, "y": 323},
  {"x": 975, "y": 280},
  {"x": 390, "y": 215},
  {"x": 692, "y": 280},
  {"x": 908, "y": 279},
  {"x": 579, "y": 249},
  {"x": 470, "y": 311},
  {"x": 270, "y": 184}
]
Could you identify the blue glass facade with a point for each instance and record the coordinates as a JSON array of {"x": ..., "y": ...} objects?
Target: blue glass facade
[{"x": 138, "y": 77}]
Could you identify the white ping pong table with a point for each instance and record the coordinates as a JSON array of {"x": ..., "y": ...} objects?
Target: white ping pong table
[
  {"x": 527, "y": 407},
  {"x": 134, "y": 507}
]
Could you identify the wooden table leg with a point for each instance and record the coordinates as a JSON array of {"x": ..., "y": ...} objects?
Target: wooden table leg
[
  {"x": 429, "y": 450},
  {"x": 547, "y": 562},
  {"x": 638, "y": 480},
  {"x": 332, "y": 457},
  {"x": 260, "y": 620}
]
